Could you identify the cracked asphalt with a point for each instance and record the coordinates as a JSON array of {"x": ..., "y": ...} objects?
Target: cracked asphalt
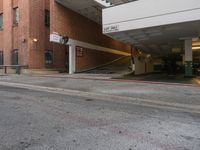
[{"x": 39, "y": 120}]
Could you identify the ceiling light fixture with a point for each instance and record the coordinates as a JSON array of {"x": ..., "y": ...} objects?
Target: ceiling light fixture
[{"x": 196, "y": 48}]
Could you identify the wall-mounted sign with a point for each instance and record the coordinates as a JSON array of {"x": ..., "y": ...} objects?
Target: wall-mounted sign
[
  {"x": 109, "y": 29},
  {"x": 79, "y": 51},
  {"x": 55, "y": 38}
]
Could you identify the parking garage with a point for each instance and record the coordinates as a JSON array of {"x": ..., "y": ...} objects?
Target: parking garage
[
  {"x": 164, "y": 39},
  {"x": 165, "y": 35}
]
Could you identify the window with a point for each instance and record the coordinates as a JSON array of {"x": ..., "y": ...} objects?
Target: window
[
  {"x": 1, "y": 57},
  {"x": 47, "y": 18},
  {"x": 48, "y": 57},
  {"x": 15, "y": 16},
  {"x": 1, "y": 21},
  {"x": 15, "y": 57}
]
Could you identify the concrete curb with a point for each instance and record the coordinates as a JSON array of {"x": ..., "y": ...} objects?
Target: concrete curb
[{"x": 110, "y": 79}]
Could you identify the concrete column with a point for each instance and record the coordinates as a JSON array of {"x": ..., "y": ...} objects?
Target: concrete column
[
  {"x": 188, "y": 58},
  {"x": 72, "y": 59}
]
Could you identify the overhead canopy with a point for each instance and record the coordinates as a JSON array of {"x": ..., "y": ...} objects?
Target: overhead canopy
[
  {"x": 160, "y": 39},
  {"x": 153, "y": 25},
  {"x": 89, "y": 8}
]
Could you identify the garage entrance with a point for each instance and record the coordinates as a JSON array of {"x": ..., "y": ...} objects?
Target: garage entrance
[{"x": 165, "y": 37}]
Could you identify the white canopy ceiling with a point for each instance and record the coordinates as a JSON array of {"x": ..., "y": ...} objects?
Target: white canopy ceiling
[{"x": 89, "y": 8}]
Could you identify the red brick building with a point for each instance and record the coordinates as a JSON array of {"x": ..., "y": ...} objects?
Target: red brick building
[{"x": 25, "y": 27}]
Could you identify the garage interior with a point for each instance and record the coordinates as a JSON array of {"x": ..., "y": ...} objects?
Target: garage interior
[{"x": 166, "y": 37}]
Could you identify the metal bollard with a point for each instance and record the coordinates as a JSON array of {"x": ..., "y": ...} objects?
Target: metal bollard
[
  {"x": 5, "y": 71},
  {"x": 18, "y": 70}
]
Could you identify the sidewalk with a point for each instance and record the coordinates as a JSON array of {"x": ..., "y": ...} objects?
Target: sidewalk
[{"x": 153, "y": 95}]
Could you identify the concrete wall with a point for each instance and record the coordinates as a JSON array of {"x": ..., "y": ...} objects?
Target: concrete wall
[{"x": 150, "y": 13}]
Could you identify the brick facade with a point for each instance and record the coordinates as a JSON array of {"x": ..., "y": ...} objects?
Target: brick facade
[{"x": 64, "y": 21}]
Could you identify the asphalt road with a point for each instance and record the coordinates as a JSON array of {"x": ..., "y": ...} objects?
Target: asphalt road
[{"x": 39, "y": 120}]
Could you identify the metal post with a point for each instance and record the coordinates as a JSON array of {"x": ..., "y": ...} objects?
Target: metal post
[
  {"x": 18, "y": 69},
  {"x": 5, "y": 71},
  {"x": 72, "y": 59}
]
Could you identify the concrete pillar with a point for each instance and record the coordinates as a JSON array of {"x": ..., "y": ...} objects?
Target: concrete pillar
[
  {"x": 188, "y": 58},
  {"x": 72, "y": 59}
]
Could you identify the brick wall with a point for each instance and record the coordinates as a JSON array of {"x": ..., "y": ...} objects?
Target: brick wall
[
  {"x": 13, "y": 37},
  {"x": 1, "y": 40},
  {"x": 36, "y": 31},
  {"x": 32, "y": 25},
  {"x": 23, "y": 33},
  {"x": 1, "y": 32},
  {"x": 41, "y": 32},
  {"x": 1, "y": 5},
  {"x": 92, "y": 58},
  {"x": 67, "y": 22},
  {"x": 7, "y": 31},
  {"x": 21, "y": 37}
]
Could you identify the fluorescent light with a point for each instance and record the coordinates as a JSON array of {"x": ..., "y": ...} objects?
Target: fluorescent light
[
  {"x": 196, "y": 44},
  {"x": 196, "y": 48},
  {"x": 104, "y": 3}
]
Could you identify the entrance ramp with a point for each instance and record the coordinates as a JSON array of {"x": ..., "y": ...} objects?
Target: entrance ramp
[{"x": 121, "y": 66}]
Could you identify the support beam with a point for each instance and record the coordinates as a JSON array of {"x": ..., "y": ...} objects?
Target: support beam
[
  {"x": 188, "y": 58},
  {"x": 72, "y": 59}
]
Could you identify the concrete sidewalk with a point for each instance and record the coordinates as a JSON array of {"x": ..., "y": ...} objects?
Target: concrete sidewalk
[{"x": 185, "y": 98}]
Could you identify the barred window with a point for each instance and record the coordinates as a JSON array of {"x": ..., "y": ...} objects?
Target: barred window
[
  {"x": 15, "y": 57},
  {"x": 47, "y": 18},
  {"x": 1, "y": 57},
  {"x": 48, "y": 57},
  {"x": 15, "y": 16},
  {"x": 1, "y": 20}
]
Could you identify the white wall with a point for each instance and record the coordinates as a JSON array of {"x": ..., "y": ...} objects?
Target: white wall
[{"x": 149, "y": 13}]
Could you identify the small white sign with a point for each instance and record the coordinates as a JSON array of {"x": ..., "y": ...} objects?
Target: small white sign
[
  {"x": 109, "y": 29},
  {"x": 55, "y": 38}
]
